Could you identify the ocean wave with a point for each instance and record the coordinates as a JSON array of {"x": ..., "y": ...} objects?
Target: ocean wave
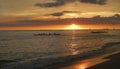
[{"x": 47, "y": 63}]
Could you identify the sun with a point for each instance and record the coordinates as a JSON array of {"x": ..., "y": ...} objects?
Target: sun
[{"x": 73, "y": 27}]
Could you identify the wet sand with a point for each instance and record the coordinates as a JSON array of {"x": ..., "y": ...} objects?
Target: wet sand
[
  {"x": 110, "y": 62},
  {"x": 4, "y": 62},
  {"x": 98, "y": 62},
  {"x": 113, "y": 63}
]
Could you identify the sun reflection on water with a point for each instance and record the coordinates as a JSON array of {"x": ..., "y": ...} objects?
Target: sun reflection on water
[
  {"x": 73, "y": 49},
  {"x": 73, "y": 45},
  {"x": 82, "y": 65}
]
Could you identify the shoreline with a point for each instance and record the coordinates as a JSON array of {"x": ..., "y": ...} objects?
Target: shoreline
[
  {"x": 108, "y": 61},
  {"x": 112, "y": 63},
  {"x": 84, "y": 60},
  {"x": 89, "y": 61},
  {"x": 86, "y": 63}
]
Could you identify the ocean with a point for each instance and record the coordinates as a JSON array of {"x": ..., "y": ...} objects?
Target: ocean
[{"x": 43, "y": 49}]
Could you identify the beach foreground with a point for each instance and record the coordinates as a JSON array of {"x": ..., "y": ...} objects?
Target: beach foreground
[
  {"x": 113, "y": 63},
  {"x": 110, "y": 62}
]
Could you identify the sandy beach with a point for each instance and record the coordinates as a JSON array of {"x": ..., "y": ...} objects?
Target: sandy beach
[
  {"x": 110, "y": 62},
  {"x": 113, "y": 63}
]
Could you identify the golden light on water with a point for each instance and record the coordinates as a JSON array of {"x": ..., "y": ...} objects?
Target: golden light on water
[{"x": 83, "y": 65}]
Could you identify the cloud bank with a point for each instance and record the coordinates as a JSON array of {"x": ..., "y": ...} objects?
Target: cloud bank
[
  {"x": 97, "y": 20},
  {"x": 58, "y": 3}
]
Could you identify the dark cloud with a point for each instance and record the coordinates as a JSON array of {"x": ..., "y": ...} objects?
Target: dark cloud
[
  {"x": 71, "y": 11},
  {"x": 58, "y": 3},
  {"x": 62, "y": 13},
  {"x": 101, "y": 2},
  {"x": 55, "y": 4},
  {"x": 57, "y": 14}
]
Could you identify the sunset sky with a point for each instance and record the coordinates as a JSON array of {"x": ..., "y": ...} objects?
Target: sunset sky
[{"x": 58, "y": 14}]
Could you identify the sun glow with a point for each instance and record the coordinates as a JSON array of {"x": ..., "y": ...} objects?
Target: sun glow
[
  {"x": 70, "y": 15},
  {"x": 73, "y": 15},
  {"x": 73, "y": 27}
]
